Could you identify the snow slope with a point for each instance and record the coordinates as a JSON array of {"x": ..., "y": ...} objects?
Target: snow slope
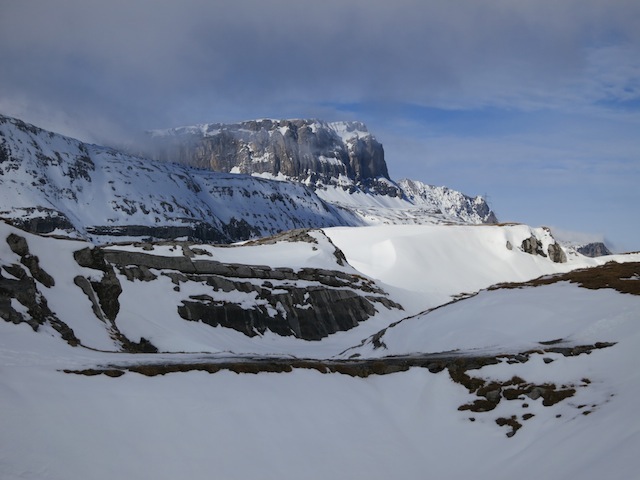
[
  {"x": 534, "y": 381},
  {"x": 313, "y": 425},
  {"x": 415, "y": 267},
  {"x": 305, "y": 424},
  {"x": 428, "y": 265}
]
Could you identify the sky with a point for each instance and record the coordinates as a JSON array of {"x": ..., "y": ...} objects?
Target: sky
[{"x": 533, "y": 104}]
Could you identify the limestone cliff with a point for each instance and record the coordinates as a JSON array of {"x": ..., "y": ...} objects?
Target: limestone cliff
[{"x": 310, "y": 151}]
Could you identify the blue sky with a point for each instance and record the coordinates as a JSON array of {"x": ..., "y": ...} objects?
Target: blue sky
[{"x": 535, "y": 104}]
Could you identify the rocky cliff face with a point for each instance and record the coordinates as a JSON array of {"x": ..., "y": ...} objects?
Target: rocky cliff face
[
  {"x": 342, "y": 155},
  {"x": 310, "y": 151},
  {"x": 124, "y": 291}
]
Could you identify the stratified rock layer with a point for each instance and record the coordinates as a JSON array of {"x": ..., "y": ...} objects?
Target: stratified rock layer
[{"x": 303, "y": 150}]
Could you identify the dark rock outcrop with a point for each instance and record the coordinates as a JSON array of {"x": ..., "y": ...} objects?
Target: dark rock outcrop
[
  {"x": 38, "y": 220},
  {"x": 556, "y": 253},
  {"x": 533, "y": 246},
  {"x": 596, "y": 249},
  {"x": 194, "y": 230},
  {"x": 108, "y": 289},
  {"x": 19, "y": 246},
  {"x": 310, "y": 303},
  {"x": 20, "y": 299}
]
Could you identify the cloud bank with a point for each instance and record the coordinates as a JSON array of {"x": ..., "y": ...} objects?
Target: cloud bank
[{"x": 151, "y": 63}]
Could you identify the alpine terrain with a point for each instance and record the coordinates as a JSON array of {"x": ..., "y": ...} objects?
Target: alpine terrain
[{"x": 261, "y": 300}]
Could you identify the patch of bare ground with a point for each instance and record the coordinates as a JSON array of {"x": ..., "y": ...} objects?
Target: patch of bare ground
[
  {"x": 622, "y": 277},
  {"x": 509, "y": 422},
  {"x": 489, "y": 393},
  {"x": 457, "y": 364}
]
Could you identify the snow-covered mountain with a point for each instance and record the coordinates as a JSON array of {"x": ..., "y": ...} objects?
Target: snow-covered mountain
[
  {"x": 55, "y": 184},
  {"x": 342, "y": 161},
  {"x": 52, "y": 183},
  {"x": 450, "y": 203},
  {"x": 400, "y": 337}
]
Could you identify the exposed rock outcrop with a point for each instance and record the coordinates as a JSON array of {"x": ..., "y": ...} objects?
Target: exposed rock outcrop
[
  {"x": 108, "y": 288},
  {"x": 309, "y": 303},
  {"x": 20, "y": 298},
  {"x": 556, "y": 253},
  {"x": 305, "y": 150},
  {"x": 534, "y": 246},
  {"x": 595, "y": 249},
  {"x": 19, "y": 246}
]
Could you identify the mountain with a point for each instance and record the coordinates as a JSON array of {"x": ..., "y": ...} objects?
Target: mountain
[
  {"x": 399, "y": 337},
  {"x": 341, "y": 161},
  {"x": 55, "y": 184},
  {"x": 450, "y": 202},
  {"x": 310, "y": 151}
]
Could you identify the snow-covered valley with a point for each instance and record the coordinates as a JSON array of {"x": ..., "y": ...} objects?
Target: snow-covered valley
[
  {"x": 380, "y": 339},
  {"x": 571, "y": 409}
]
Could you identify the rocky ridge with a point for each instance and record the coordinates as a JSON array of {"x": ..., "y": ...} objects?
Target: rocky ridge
[{"x": 451, "y": 203}]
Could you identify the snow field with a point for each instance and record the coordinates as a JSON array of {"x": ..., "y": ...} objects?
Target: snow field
[{"x": 308, "y": 425}]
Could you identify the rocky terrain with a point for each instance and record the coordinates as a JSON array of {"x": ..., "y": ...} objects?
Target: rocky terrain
[{"x": 307, "y": 303}]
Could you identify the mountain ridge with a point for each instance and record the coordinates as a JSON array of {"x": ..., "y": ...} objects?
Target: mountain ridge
[{"x": 56, "y": 184}]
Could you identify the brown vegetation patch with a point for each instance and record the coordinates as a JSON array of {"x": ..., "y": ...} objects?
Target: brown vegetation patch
[
  {"x": 509, "y": 422},
  {"x": 622, "y": 277}
]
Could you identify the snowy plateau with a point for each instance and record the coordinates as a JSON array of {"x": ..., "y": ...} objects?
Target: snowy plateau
[{"x": 164, "y": 321}]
